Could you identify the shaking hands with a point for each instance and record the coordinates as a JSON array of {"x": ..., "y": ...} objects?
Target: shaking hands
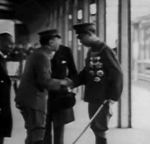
[{"x": 67, "y": 82}]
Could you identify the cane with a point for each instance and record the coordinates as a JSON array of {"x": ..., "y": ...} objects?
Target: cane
[{"x": 96, "y": 113}]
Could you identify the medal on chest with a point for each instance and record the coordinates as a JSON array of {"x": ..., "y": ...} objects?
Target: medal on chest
[{"x": 96, "y": 68}]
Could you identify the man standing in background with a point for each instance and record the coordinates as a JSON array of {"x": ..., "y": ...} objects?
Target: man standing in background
[
  {"x": 5, "y": 86},
  {"x": 62, "y": 66}
]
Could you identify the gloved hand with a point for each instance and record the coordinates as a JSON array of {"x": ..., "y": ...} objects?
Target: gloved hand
[
  {"x": 69, "y": 82},
  {"x": 109, "y": 103}
]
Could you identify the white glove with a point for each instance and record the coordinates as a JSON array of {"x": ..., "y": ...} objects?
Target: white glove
[{"x": 111, "y": 102}]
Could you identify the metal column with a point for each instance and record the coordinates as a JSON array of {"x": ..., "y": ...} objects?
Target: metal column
[
  {"x": 51, "y": 20},
  {"x": 86, "y": 11},
  {"x": 65, "y": 22},
  {"x": 55, "y": 16},
  {"x": 74, "y": 6},
  {"x": 74, "y": 21},
  {"x": 101, "y": 19},
  {"x": 60, "y": 28},
  {"x": 59, "y": 17},
  {"x": 124, "y": 37},
  {"x": 86, "y": 18},
  {"x": 83, "y": 51},
  {"x": 52, "y": 15}
]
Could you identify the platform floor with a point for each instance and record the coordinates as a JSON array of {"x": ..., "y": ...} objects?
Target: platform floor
[{"x": 139, "y": 134}]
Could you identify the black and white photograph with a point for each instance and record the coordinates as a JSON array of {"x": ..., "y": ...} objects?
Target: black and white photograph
[{"x": 74, "y": 71}]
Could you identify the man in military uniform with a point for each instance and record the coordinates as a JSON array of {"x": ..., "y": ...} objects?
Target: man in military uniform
[
  {"x": 31, "y": 97},
  {"x": 102, "y": 77},
  {"x": 62, "y": 66},
  {"x": 5, "y": 86}
]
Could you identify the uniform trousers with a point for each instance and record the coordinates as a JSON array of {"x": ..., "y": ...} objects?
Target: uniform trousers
[
  {"x": 35, "y": 122},
  {"x": 100, "y": 124},
  {"x": 58, "y": 132}
]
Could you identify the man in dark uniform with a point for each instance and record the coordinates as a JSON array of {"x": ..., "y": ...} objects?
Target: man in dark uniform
[
  {"x": 102, "y": 77},
  {"x": 32, "y": 94},
  {"x": 62, "y": 66},
  {"x": 5, "y": 85}
]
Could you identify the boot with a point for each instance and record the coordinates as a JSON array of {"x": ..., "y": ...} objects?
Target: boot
[
  {"x": 38, "y": 142},
  {"x": 101, "y": 140}
]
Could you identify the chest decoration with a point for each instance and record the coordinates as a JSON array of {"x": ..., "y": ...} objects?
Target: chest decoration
[{"x": 95, "y": 68}]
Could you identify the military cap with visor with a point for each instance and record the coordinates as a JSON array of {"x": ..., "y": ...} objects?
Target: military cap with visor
[
  {"x": 49, "y": 34},
  {"x": 84, "y": 28}
]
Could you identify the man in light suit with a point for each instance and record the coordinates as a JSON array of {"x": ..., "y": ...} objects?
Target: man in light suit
[{"x": 31, "y": 97}]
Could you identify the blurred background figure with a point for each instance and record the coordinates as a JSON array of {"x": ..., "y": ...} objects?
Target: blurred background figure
[
  {"x": 36, "y": 45},
  {"x": 6, "y": 45}
]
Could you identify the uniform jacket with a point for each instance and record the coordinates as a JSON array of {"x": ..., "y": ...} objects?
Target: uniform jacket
[
  {"x": 36, "y": 81},
  {"x": 102, "y": 75},
  {"x": 5, "y": 114},
  {"x": 62, "y": 66}
]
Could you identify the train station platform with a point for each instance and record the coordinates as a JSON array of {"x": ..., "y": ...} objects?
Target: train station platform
[{"x": 139, "y": 134}]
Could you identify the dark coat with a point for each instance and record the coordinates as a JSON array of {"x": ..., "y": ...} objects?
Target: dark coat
[
  {"x": 102, "y": 75},
  {"x": 36, "y": 81},
  {"x": 62, "y": 66},
  {"x": 5, "y": 114},
  {"x": 115, "y": 50}
]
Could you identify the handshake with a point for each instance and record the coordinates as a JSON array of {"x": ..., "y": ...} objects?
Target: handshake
[
  {"x": 67, "y": 82},
  {"x": 66, "y": 97}
]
